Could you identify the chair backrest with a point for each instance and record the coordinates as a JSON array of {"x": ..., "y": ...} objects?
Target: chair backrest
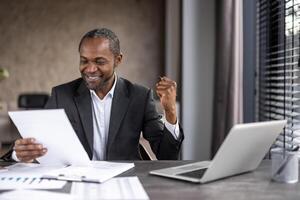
[
  {"x": 145, "y": 150},
  {"x": 32, "y": 101}
]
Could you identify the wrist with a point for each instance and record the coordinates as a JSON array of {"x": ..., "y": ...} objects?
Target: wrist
[{"x": 171, "y": 116}]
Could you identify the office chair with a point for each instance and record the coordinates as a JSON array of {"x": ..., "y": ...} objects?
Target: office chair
[
  {"x": 145, "y": 150},
  {"x": 32, "y": 100}
]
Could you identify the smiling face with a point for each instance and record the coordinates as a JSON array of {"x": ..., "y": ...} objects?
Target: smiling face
[{"x": 97, "y": 64}]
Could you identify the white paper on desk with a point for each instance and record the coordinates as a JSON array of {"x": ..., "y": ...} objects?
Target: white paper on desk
[
  {"x": 115, "y": 188},
  {"x": 53, "y": 129},
  {"x": 28, "y": 176},
  {"x": 35, "y": 195},
  {"x": 99, "y": 171},
  {"x": 12, "y": 183},
  {"x": 28, "y": 170}
]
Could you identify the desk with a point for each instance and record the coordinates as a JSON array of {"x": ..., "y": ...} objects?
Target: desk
[{"x": 254, "y": 185}]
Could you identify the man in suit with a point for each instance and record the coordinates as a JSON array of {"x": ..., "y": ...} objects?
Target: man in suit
[{"x": 107, "y": 112}]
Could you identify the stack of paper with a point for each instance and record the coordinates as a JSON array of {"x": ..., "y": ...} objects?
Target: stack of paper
[
  {"x": 98, "y": 172},
  {"x": 28, "y": 176},
  {"x": 28, "y": 169},
  {"x": 35, "y": 195},
  {"x": 9, "y": 183},
  {"x": 115, "y": 188}
]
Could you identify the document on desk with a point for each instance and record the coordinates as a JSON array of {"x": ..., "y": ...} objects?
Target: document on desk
[
  {"x": 12, "y": 183},
  {"x": 53, "y": 129},
  {"x": 115, "y": 188},
  {"x": 28, "y": 170},
  {"x": 28, "y": 176},
  {"x": 36, "y": 195},
  {"x": 98, "y": 172}
]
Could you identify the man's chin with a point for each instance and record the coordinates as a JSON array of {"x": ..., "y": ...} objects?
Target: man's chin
[
  {"x": 91, "y": 85},
  {"x": 94, "y": 85}
]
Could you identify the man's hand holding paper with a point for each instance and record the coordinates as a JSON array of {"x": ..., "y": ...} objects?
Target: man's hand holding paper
[
  {"x": 41, "y": 130},
  {"x": 27, "y": 149}
]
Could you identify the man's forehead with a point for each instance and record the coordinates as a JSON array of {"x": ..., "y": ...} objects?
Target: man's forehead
[{"x": 94, "y": 45}]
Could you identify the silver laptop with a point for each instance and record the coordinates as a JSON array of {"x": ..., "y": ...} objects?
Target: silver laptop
[{"x": 242, "y": 151}]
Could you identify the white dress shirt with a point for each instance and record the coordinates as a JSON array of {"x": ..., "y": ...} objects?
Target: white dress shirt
[{"x": 101, "y": 109}]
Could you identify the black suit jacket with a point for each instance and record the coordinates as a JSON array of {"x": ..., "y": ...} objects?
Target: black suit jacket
[{"x": 133, "y": 111}]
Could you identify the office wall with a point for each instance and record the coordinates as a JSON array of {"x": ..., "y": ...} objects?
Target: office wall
[
  {"x": 39, "y": 40},
  {"x": 198, "y": 77}
]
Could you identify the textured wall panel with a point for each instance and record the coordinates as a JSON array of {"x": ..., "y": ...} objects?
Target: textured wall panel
[{"x": 39, "y": 40}]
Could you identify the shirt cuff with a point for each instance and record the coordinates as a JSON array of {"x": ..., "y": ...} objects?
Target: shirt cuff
[
  {"x": 173, "y": 129},
  {"x": 14, "y": 156}
]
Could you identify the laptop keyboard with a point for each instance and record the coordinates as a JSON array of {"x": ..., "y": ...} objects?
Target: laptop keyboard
[{"x": 194, "y": 174}]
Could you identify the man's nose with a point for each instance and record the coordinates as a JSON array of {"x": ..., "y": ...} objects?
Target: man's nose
[{"x": 91, "y": 67}]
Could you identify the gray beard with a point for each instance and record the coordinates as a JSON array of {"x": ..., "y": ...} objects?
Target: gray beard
[{"x": 102, "y": 84}]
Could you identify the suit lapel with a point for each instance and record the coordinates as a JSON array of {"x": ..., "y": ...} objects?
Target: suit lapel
[
  {"x": 84, "y": 106},
  {"x": 118, "y": 110}
]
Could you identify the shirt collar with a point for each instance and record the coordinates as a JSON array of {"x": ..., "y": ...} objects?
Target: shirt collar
[{"x": 110, "y": 92}]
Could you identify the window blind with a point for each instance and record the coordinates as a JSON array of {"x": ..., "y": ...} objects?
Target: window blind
[{"x": 278, "y": 82}]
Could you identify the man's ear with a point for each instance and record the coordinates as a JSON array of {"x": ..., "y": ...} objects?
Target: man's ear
[{"x": 118, "y": 59}]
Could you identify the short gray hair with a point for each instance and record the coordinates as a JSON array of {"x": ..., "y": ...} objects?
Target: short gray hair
[{"x": 114, "y": 43}]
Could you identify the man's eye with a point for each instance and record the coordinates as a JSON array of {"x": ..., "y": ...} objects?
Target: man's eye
[
  {"x": 82, "y": 62},
  {"x": 100, "y": 62}
]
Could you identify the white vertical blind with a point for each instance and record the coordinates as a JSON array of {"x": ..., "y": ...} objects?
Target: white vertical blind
[{"x": 278, "y": 66}]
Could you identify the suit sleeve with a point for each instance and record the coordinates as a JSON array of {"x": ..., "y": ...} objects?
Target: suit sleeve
[{"x": 162, "y": 142}]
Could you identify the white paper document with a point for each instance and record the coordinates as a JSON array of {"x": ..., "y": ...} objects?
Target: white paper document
[
  {"x": 115, "y": 188},
  {"x": 54, "y": 131},
  {"x": 35, "y": 195},
  {"x": 28, "y": 176},
  {"x": 98, "y": 172},
  {"x": 12, "y": 183},
  {"x": 28, "y": 170}
]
